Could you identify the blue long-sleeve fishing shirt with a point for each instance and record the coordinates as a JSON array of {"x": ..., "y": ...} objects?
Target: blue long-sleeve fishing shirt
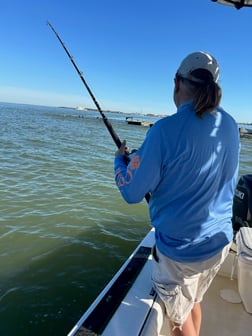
[{"x": 189, "y": 165}]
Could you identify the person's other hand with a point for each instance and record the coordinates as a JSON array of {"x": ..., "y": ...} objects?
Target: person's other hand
[{"x": 123, "y": 149}]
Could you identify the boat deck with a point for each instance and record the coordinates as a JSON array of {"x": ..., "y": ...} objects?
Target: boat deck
[{"x": 221, "y": 317}]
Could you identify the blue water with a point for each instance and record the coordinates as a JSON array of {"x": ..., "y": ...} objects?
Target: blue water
[{"x": 64, "y": 228}]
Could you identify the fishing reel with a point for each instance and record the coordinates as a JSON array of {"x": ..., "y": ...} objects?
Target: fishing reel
[{"x": 129, "y": 154}]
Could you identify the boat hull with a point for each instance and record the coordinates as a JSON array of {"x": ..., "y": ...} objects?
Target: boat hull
[{"x": 139, "y": 311}]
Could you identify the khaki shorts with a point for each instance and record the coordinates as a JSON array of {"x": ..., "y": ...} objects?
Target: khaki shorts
[{"x": 180, "y": 285}]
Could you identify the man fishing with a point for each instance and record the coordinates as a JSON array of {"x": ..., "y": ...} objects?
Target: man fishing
[{"x": 189, "y": 165}]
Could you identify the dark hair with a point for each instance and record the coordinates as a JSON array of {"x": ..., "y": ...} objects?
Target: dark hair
[{"x": 206, "y": 93}]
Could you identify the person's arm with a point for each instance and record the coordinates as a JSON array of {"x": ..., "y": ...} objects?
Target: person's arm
[{"x": 142, "y": 174}]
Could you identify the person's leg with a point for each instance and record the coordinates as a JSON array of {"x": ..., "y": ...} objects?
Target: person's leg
[
  {"x": 191, "y": 327},
  {"x": 196, "y": 317},
  {"x": 187, "y": 329}
]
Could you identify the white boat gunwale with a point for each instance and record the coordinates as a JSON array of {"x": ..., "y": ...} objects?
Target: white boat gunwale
[{"x": 105, "y": 305}]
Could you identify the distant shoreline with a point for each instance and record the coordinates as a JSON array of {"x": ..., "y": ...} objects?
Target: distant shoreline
[{"x": 81, "y": 108}]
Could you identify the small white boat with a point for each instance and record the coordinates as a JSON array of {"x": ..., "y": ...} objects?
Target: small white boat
[
  {"x": 245, "y": 133},
  {"x": 131, "y": 121}
]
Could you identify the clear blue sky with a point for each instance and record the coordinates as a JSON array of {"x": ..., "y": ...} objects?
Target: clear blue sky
[{"x": 128, "y": 51}]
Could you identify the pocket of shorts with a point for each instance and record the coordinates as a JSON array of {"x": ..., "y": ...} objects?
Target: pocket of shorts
[
  {"x": 168, "y": 290},
  {"x": 171, "y": 296}
]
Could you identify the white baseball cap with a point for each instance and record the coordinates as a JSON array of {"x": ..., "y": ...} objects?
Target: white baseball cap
[{"x": 198, "y": 60}]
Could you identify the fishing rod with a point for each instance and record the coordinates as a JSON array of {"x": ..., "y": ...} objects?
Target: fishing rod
[{"x": 104, "y": 118}]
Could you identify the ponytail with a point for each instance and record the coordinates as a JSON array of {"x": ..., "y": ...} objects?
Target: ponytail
[
  {"x": 206, "y": 97},
  {"x": 206, "y": 93}
]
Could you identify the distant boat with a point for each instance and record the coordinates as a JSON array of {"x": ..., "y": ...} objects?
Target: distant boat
[
  {"x": 245, "y": 133},
  {"x": 132, "y": 121}
]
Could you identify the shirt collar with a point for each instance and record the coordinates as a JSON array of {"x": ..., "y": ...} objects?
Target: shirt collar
[{"x": 187, "y": 104}]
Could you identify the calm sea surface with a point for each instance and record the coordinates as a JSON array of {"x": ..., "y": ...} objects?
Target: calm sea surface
[{"x": 64, "y": 228}]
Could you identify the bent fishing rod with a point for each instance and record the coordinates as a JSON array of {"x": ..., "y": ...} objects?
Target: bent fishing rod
[{"x": 104, "y": 118}]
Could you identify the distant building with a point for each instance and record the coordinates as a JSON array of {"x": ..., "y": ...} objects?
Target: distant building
[{"x": 80, "y": 108}]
